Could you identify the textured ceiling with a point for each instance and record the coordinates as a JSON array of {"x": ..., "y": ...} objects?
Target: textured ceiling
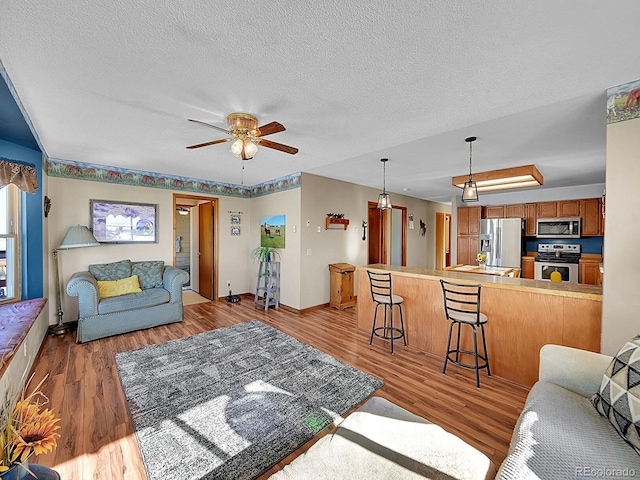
[{"x": 114, "y": 82}]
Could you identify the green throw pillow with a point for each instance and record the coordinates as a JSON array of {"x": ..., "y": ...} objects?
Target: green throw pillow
[
  {"x": 619, "y": 397},
  {"x": 149, "y": 273},
  {"x": 107, "y": 272}
]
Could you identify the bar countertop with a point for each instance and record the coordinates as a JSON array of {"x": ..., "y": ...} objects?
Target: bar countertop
[{"x": 572, "y": 290}]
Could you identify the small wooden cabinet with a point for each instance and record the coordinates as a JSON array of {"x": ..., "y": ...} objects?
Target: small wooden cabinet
[
  {"x": 528, "y": 266},
  {"x": 494, "y": 211},
  {"x": 515, "y": 210},
  {"x": 342, "y": 295},
  {"x": 469, "y": 220},
  {"x": 547, "y": 210},
  {"x": 569, "y": 208},
  {"x": 589, "y": 272},
  {"x": 467, "y": 249},
  {"x": 591, "y": 214},
  {"x": 531, "y": 216}
]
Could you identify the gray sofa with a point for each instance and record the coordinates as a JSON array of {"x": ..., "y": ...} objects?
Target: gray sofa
[
  {"x": 159, "y": 302},
  {"x": 559, "y": 433}
]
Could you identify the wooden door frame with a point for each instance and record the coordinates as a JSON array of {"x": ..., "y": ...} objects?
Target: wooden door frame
[
  {"x": 384, "y": 246},
  {"x": 215, "y": 201}
]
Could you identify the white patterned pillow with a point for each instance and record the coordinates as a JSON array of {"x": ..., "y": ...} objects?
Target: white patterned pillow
[{"x": 619, "y": 397}]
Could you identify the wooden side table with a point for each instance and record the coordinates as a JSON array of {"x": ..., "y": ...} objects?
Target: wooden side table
[{"x": 342, "y": 285}]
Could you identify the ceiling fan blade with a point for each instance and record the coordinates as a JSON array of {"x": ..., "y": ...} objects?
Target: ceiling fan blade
[
  {"x": 209, "y": 125},
  {"x": 271, "y": 128},
  {"x": 210, "y": 143},
  {"x": 278, "y": 146}
]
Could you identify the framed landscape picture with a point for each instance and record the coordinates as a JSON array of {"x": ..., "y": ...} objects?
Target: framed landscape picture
[
  {"x": 124, "y": 222},
  {"x": 272, "y": 231}
]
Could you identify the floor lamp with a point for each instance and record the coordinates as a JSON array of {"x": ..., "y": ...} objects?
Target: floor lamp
[{"x": 76, "y": 237}]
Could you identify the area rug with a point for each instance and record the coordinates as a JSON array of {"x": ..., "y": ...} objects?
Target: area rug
[
  {"x": 232, "y": 402},
  {"x": 189, "y": 297}
]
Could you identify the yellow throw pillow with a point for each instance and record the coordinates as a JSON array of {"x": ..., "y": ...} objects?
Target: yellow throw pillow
[{"x": 114, "y": 288}]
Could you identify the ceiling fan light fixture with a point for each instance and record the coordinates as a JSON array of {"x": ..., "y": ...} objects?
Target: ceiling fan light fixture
[
  {"x": 250, "y": 149},
  {"x": 182, "y": 211},
  {"x": 384, "y": 200},
  {"x": 236, "y": 147}
]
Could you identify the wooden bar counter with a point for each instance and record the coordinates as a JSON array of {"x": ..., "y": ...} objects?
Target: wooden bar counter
[{"x": 523, "y": 316}]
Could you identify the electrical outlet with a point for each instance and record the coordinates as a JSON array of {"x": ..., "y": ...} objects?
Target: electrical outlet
[
  {"x": 308, "y": 251},
  {"x": 294, "y": 229},
  {"x": 228, "y": 283}
]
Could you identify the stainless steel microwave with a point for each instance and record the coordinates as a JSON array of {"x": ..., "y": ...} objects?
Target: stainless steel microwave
[{"x": 558, "y": 227}]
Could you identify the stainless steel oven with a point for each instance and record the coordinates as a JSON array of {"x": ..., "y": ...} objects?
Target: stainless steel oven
[{"x": 561, "y": 258}]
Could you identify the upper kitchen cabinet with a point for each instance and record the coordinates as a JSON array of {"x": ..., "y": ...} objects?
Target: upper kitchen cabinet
[
  {"x": 547, "y": 210},
  {"x": 468, "y": 220},
  {"x": 494, "y": 211},
  {"x": 569, "y": 208},
  {"x": 591, "y": 214},
  {"x": 531, "y": 215},
  {"x": 515, "y": 210}
]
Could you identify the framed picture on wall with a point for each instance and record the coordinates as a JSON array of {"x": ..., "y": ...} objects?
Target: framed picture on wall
[
  {"x": 235, "y": 219},
  {"x": 272, "y": 231},
  {"x": 235, "y": 230},
  {"x": 124, "y": 222}
]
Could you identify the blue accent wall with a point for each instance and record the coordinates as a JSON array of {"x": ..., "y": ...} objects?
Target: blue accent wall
[
  {"x": 31, "y": 228},
  {"x": 587, "y": 244}
]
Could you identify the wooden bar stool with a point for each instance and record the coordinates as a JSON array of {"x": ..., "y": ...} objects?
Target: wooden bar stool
[
  {"x": 382, "y": 294},
  {"x": 462, "y": 307}
]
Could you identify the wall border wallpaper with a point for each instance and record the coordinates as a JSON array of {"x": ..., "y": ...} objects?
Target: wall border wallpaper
[{"x": 124, "y": 176}]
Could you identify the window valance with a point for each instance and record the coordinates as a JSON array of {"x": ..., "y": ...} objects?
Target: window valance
[{"x": 23, "y": 176}]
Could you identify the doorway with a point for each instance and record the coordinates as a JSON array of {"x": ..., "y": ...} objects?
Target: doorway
[
  {"x": 196, "y": 239},
  {"x": 443, "y": 240},
  {"x": 387, "y": 235}
]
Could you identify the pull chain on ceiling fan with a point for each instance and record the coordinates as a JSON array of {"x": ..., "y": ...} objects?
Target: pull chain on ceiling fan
[{"x": 244, "y": 129}]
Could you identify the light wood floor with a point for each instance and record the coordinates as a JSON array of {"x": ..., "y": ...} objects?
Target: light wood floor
[{"x": 98, "y": 440}]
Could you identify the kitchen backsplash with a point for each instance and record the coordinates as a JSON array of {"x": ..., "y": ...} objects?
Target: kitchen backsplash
[{"x": 588, "y": 244}]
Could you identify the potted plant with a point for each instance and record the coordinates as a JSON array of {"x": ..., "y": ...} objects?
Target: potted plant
[
  {"x": 265, "y": 254},
  {"x": 27, "y": 429}
]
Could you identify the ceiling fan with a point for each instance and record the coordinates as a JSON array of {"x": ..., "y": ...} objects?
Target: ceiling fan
[{"x": 247, "y": 135}]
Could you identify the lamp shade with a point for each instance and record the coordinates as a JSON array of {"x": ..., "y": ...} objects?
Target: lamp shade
[
  {"x": 384, "y": 201},
  {"x": 470, "y": 192},
  {"x": 78, "y": 236}
]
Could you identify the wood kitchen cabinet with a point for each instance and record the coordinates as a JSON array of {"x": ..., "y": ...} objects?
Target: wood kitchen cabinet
[
  {"x": 468, "y": 226},
  {"x": 531, "y": 215},
  {"x": 469, "y": 220},
  {"x": 516, "y": 210},
  {"x": 589, "y": 272},
  {"x": 568, "y": 208},
  {"x": 467, "y": 249},
  {"x": 528, "y": 266},
  {"x": 591, "y": 214},
  {"x": 494, "y": 211},
  {"x": 547, "y": 210}
]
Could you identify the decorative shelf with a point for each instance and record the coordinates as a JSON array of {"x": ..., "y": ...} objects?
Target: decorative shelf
[{"x": 342, "y": 223}]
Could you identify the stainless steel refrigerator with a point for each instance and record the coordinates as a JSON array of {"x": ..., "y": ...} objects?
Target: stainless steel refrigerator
[{"x": 501, "y": 239}]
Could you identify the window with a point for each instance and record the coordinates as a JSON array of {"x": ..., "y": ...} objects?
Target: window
[{"x": 9, "y": 244}]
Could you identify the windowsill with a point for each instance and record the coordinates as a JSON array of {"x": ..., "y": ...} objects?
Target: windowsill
[{"x": 16, "y": 320}]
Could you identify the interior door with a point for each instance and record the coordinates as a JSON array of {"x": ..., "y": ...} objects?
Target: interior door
[
  {"x": 377, "y": 250},
  {"x": 205, "y": 253}
]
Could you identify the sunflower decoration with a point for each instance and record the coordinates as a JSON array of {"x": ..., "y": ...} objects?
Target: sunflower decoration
[
  {"x": 30, "y": 429},
  {"x": 481, "y": 257}
]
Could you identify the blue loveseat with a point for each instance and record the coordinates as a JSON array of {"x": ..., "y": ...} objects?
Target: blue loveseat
[{"x": 159, "y": 302}]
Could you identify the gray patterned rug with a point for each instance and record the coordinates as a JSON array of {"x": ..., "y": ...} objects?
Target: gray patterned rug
[{"x": 232, "y": 402}]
